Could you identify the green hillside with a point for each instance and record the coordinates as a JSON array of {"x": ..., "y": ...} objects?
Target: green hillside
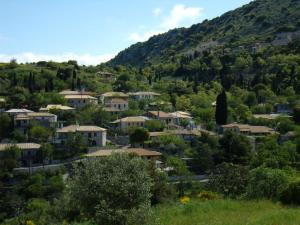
[{"x": 257, "y": 22}]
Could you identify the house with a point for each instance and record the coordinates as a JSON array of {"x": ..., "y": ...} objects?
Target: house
[
  {"x": 56, "y": 107},
  {"x": 160, "y": 105},
  {"x": 92, "y": 135},
  {"x": 248, "y": 130},
  {"x": 179, "y": 117},
  {"x": 29, "y": 152},
  {"x": 106, "y": 97},
  {"x": 141, "y": 152},
  {"x": 129, "y": 122},
  {"x": 283, "y": 109},
  {"x": 162, "y": 116},
  {"x": 79, "y": 101},
  {"x": 106, "y": 76},
  {"x": 13, "y": 112},
  {"x": 147, "y": 95},
  {"x": 43, "y": 118},
  {"x": 120, "y": 104}
]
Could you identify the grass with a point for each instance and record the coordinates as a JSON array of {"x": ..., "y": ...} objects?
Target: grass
[{"x": 227, "y": 212}]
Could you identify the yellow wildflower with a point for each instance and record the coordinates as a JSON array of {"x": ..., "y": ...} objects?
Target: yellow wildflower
[{"x": 184, "y": 200}]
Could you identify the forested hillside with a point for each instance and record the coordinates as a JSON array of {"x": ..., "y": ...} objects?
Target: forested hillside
[{"x": 261, "y": 21}]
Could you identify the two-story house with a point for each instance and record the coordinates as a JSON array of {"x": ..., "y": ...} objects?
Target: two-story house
[
  {"x": 147, "y": 95},
  {"x": 92, "y": 135},
  {"x": 79, "y": 101},
  {"x": 130, "y": 122}
]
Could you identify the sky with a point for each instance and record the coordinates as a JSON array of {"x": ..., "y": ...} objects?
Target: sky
[{"x": 93, "y": 31}]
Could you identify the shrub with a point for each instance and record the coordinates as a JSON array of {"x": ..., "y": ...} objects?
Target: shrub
[
  {"x": 291, "y": 195},
  {"x": 267, "y": 183},
  {"x": 208, "y": 195}
]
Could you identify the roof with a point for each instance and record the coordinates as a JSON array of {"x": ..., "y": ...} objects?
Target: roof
[
  {"x": 18, "y": 111},
  {"x": 69, "y": 92},
  {"x": 22, "y": 146},
  {"x": 114, "y": 94},
  {"x": 75, "y": 128},
  {"x": 145, "y": 93},
  {"x": 137, "y": 151},
  {"x": 132, "y": 119},
  {"x": 79, "y": 97},
  {"x": 38, "y": 114},
  {"x": 180, "y": 114},
  {"x": 117, "y": 100},
  {"x": 250, "y": 128},
  {"x": 271, "y": 116},
  {"x": 58, "y": 107},
  {"x": 160, "y": 114}
]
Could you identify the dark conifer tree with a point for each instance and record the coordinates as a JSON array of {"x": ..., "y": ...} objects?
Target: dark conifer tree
[
  {"x": 221, "y": 109},
  {"x": 78, "y": 83}
]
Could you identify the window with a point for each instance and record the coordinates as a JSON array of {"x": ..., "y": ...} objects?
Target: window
[
  {"x": 95, "y": 134},
  {"x": 90, "y": 135}
]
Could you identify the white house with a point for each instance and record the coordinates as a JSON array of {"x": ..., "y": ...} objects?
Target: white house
[
  {"x": 78, "y": 101},
  {"x": 148, "y": 95},
  {"x": 131, "y": 121}
]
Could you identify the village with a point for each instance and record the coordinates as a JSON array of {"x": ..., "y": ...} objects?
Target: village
[{"x": 117, "y": 136}]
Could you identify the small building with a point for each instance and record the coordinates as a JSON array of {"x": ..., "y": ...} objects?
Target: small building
[
  {"x": 141, "y": 152},
  {"x": 106, "y": 76},
  {"x": 56, "y": 107},
  {"x": 117, "y": 103},
  {"x": 29, "y": 152},
  {"x": 271, "y": 116},
  {"x": 22, "y": 121},
  {"x": 106, "y": 97},
  {"x": 92, "y": 135},
  {"x": 248, "y": 130},
  {"x": 283, "y": 109},
  {"x": 79, "y": 101},
  {"x": 147, "y": 95},
  {"x": 162, "y": 116},
  {"x": 129, "y": 122},
  {"x": 70, "y": 92},
  {"x": 180, "y": 116}
]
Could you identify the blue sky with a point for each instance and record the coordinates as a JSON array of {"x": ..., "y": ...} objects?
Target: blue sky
[{"x": 93, "y": 31}]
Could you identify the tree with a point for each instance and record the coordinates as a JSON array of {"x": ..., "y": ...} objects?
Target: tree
[
  {"x": 114, "y": 190},
  {"x": 5, "y": 125},
  {"x": 46, "y": 151},
  {"x": 39, "y": 134},
  {"x": 154, "y": 125},
  {"x": 139, "y": 135},
  {"x": 221, "y": 109},
  {"x": 229, "y": 179},
  {"x": 297, "y": 115},
  {"x": 235, "y": 148}
]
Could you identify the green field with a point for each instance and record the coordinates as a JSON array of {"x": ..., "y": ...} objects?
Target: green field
[{"x": 227, "y": 212}]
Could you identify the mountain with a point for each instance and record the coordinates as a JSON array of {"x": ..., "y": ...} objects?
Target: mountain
[{"x": 262, "y": 21}]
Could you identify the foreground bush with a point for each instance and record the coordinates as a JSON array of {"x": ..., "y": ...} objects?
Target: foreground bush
[
  {"x": 291, "y": 195},
  {"x": 267, "y": 183},
  {"x": 112, "y": 190}
]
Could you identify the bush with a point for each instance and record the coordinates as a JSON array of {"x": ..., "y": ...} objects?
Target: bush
[
  {"x": 267, "y": 183},
  {"x": 208, "y": 195},
  {"x": 291, "y": 195}
]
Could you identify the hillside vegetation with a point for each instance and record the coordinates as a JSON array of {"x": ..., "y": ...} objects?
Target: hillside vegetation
[{"x": 259, "y": 21}]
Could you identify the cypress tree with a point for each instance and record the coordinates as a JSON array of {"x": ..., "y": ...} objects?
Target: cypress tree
[
  {"x": 73, "y": 85},
  {"x": 221, "y": 109},
  {"x": 78, "y": 83}
]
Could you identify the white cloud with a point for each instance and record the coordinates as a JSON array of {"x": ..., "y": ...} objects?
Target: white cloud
[
  {"x": 179, "y": 16},
  {"x": 145, "y": 36},
  {"x": 157, "y": 11},
  {"x": 83, "y": 59}
]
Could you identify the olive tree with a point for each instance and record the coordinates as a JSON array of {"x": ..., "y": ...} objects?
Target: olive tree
[{"x": 111, "y": 190}]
